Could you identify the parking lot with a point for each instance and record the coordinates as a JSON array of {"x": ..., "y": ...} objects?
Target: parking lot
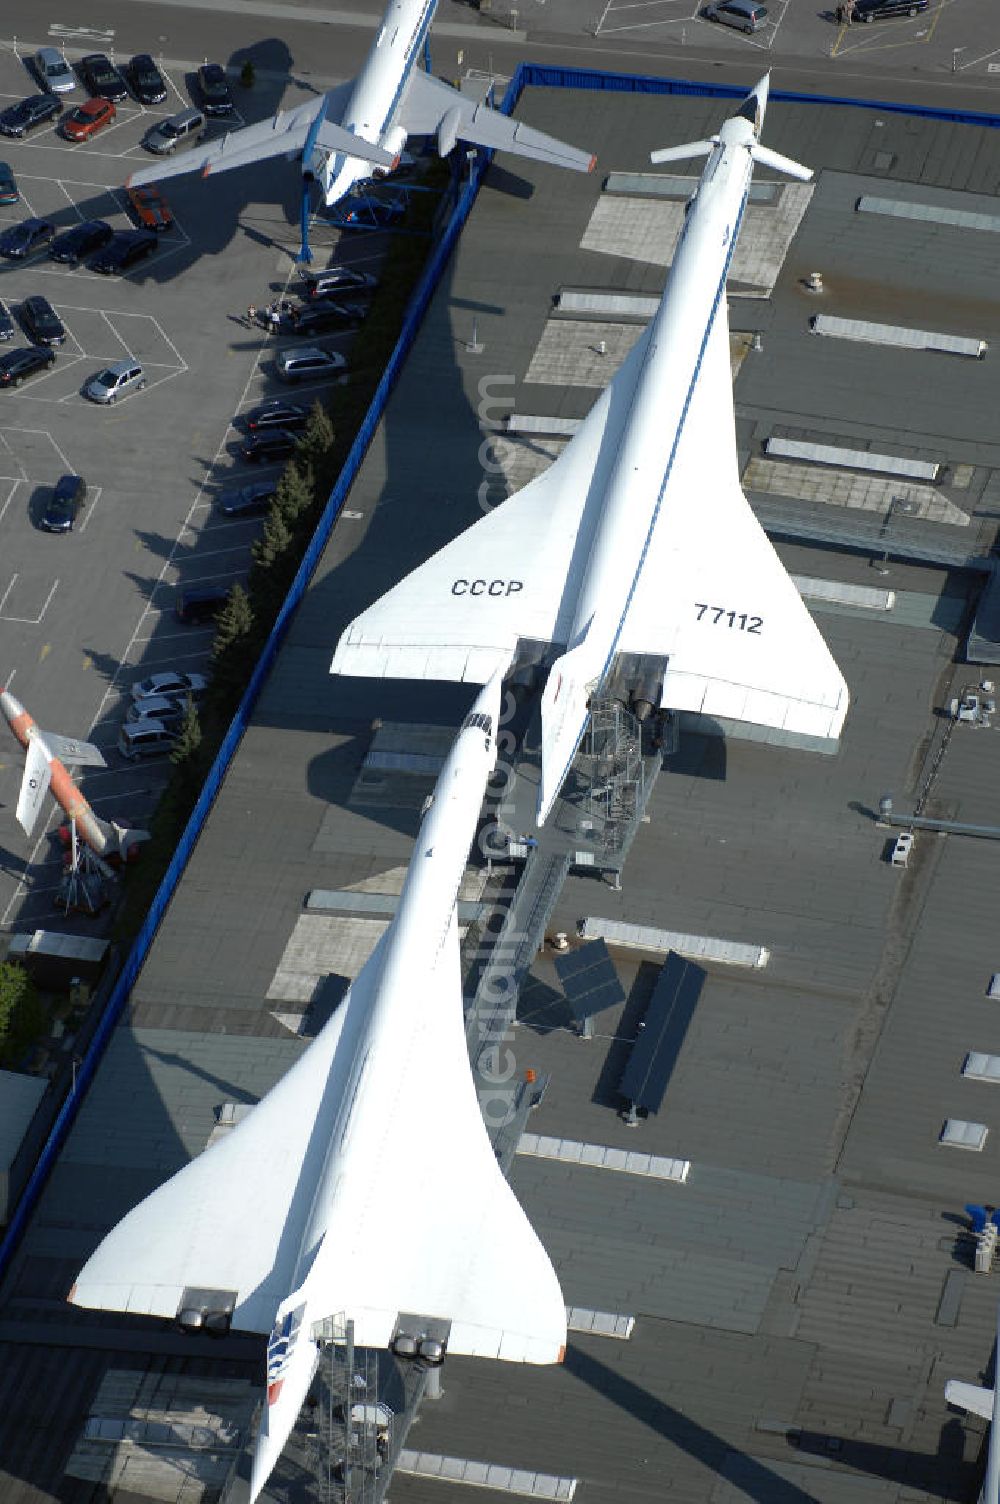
[{"x": 84, "y": 613}]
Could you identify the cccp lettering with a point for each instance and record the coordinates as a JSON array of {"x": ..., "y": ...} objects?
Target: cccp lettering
[{"x": 486, "y": 587}]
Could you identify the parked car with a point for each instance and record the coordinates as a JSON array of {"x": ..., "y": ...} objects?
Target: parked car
[
  {"x": 170, "y": 684},
  {"x": 9, "y": 191},
  {"x": 119, "y": 379},
  {"x": 68, "y": 496},
  {"x": 335, "y": 280},
  {"x": 123, "y": 250},
  {"x": 146, "y": 79},
  {"x": 157, "y": 708},
  {"x": 271, "y": 444},
  {"x": 878, "y": 10},
  {"x": 379, "y": 211},
  {"x": 196, "y": 604},
  {"x": 150, "y": 207},
  {"x": 17, "y": 365},
  {"x": 308, "y": 363},
  {"x": 18, "y": 119},
  {"x": 248, "y": 501},
  {"x": 20, "y": 240},
  {"x": 745, "y": 15},
  {"x": 213, "y": 85},
  {"x": 81, "y": 241},
  {"x": 87, "y": 119},
  {"x": 145, "y": 738},
  {"x": 102, "y": 77},
  {"x": 277, "y": 414},
  {"x": 41, "y": 322},
  {"x": 182, "y": 129},
  {"x": 323, "y": 316},
  {"x": 54, "y": 72},
  {"x": 6, "y": 323}
]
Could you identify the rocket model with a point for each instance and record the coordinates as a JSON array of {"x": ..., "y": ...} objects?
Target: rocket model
[
  {"x": 364, "y": 1183},
  {"x": 635, "y": 556},
  {"x": 358, "y": 129},
  {"x": 985, "y": 1403},
  {"x": 45, "y": 768}
]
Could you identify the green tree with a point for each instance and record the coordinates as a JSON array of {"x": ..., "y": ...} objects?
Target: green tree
[
  {"x": 22, "y": 1016},
  {"x": 296, "y": 493},
  {"x": 317, "y": 444},
  {"x": 274, "y": 540},
  {"x": 233, "y": 623},
  {"x": 185, "y": 752},
  {"x": 248, "y": 74}
]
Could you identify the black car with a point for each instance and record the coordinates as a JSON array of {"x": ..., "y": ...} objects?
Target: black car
[
  {"x": 146, "y": 79},
  {"x": 73, "y": 245},
  {"x": 272, "y": 444},
  {"x": 41, "y": 322},
  {"x": 18, "y": 364},
  {"x": 321, "y": 316},
  {"x": 9, "y": 191},
  {"x": 248, "y": 501},
  {"x": 123, "y": 250},
  {"x": 337, "y": 280},
  {"x": 213, "y": 86},
  {"x": 19, "y": 119},
  {"x": 876, "y": 10},
  {"x": 6, "y": 323},
  {"x": 20, "y": 240},
  {"x": 102, "y": 78},
  {"x": 68, "y": 496},
  {"x": 277, "y": 414}
]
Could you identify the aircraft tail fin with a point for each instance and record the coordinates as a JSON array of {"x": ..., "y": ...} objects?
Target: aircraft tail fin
[
  {"x": 765, "y": 157},
  {"x": 684, "y": 153}
]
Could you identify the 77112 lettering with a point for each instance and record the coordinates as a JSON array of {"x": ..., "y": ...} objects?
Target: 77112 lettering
[{"x": 718, "y": 616}]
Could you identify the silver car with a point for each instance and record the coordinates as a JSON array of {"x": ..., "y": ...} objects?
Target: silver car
[
  {"x": 117, "y": 380},
  {"x": 54, "y": 73},
  {"x": 307, "y": 364}
]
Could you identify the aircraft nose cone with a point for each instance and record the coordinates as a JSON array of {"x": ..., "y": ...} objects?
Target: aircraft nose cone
[{"x": 10, "y": 706}]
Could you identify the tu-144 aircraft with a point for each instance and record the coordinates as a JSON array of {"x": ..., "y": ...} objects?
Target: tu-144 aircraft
[
  {"x": 364, "y": 1183},
  {"x": 358, "y": 129},
  {"x": 635, "y": 556}
]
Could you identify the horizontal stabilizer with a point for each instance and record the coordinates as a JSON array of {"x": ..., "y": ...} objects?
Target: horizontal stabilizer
[
  {"x": 684, "y": 153},
  {"x": 34, "y": 785},
  {"x": 428, "y": 104},
  {"x": 970, "y": 1397},
  {"x": 765, "y": 157},
  {"x": 334, "y": 138}
]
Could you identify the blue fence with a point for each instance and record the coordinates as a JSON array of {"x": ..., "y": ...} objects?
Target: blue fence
[{"x": 135, "y": 960}]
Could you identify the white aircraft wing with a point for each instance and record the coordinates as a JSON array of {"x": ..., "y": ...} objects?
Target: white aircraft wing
[
  {"x": 971, "y": 1397},
  {"x": 34, "y": 785},
  {"x": 233, "y": 1218},
  {"x": 289, "y": 133},
  {"x": 460, "y": 615},
  {"x": 430, "y": 107},
  {"x": 479, "y": 1262},
  {"x": 714, "y": 597}
]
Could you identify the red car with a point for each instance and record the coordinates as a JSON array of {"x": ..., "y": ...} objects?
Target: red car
[
  {"x": 82, "y": 123},
  {"x": 150, "y": 208}
]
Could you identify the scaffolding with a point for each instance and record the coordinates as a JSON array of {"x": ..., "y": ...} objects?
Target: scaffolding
[{"x": 611, "y": 776}]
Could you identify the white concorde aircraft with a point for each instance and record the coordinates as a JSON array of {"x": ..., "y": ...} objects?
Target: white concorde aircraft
[
  {"x": 360, "y": 127},
  {"x": 985, "y": 1403},
  {"x": 364, "y": 1183},
  {"x": 638, "y": 540}
]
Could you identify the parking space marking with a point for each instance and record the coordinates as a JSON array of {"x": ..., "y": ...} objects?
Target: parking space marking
[
  {"x": 30, "y": 621},
  {"x": 10, "y": 497},
  {"x": 97, "y": 493}
]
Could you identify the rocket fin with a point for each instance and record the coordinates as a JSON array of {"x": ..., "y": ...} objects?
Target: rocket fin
[
  {"x": 71, "y": 752},
  {"x": 713, "y": 597},
  {"x": 34, "y": 785},
  {"x": 233, "y": 1218},
  {"x": 512, "y": 575}
]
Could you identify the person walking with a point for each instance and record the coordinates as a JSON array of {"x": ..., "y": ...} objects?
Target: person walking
[{"x": 252, "y": 316}]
